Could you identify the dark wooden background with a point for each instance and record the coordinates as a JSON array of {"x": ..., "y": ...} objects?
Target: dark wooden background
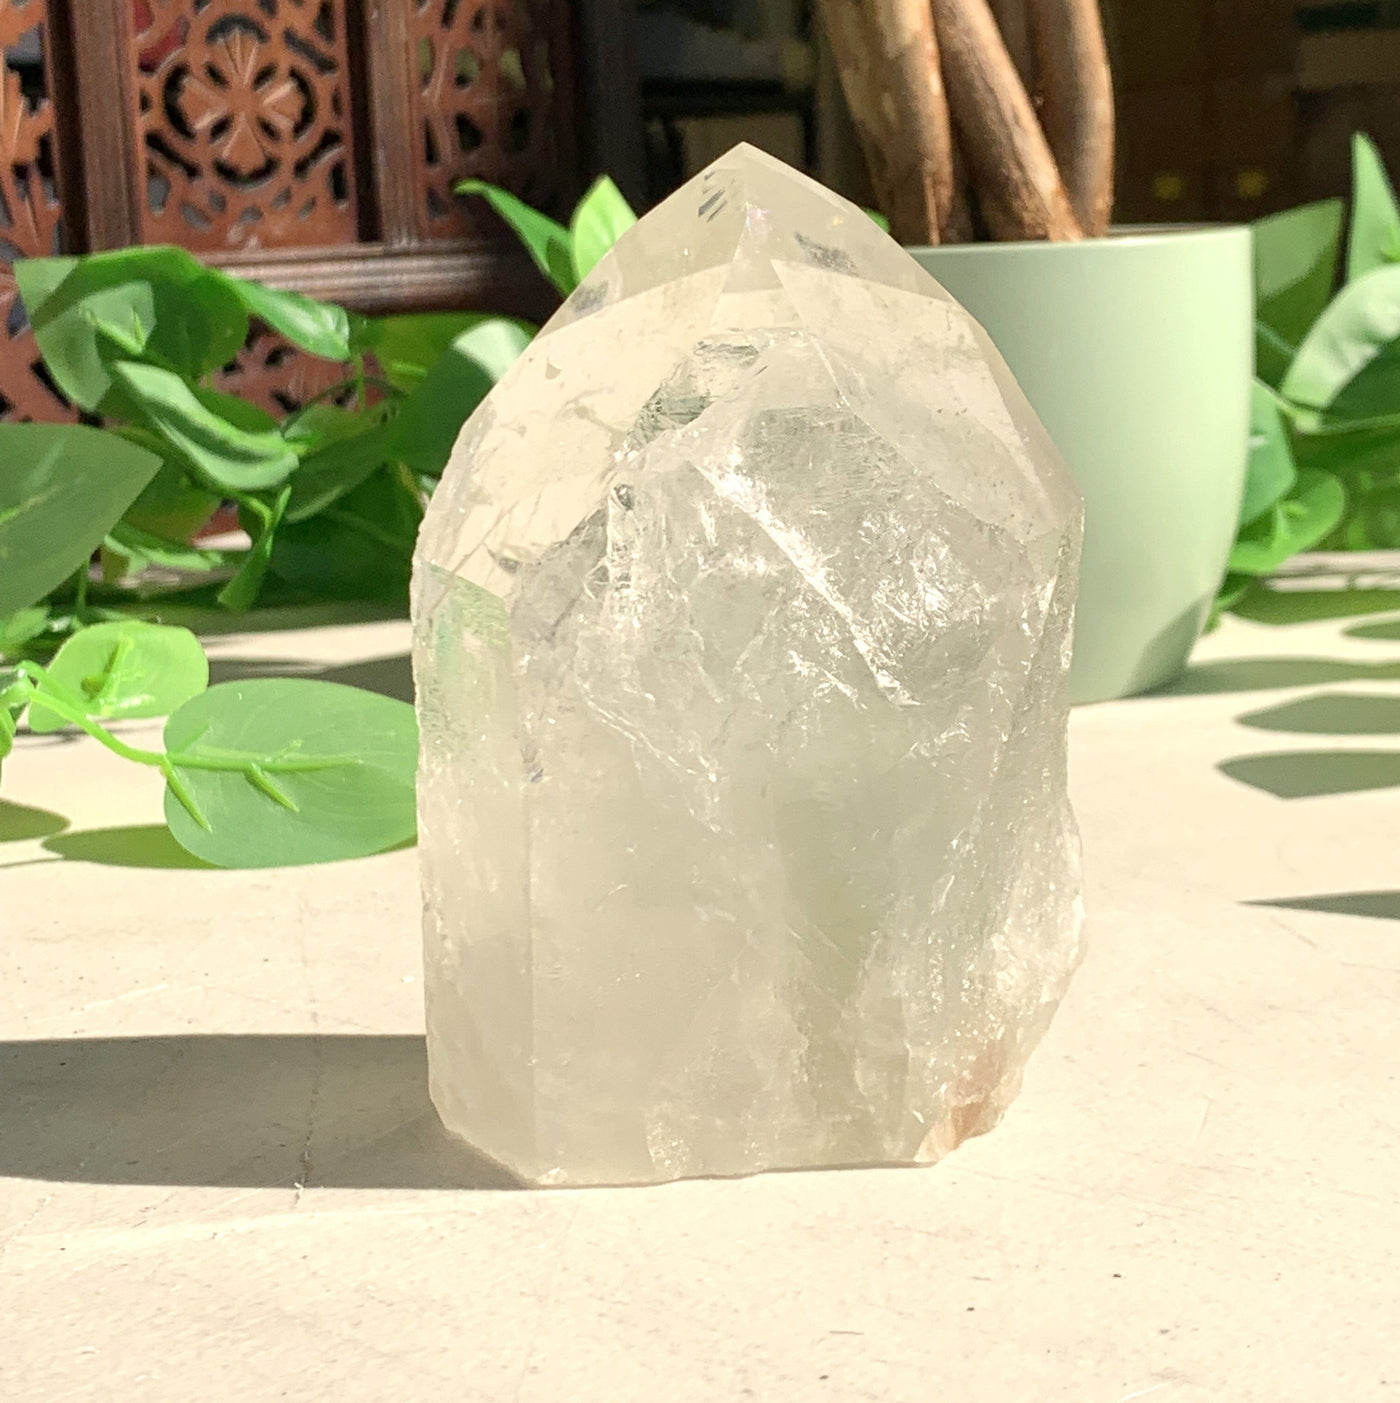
[{"x": 311, "y": 143}]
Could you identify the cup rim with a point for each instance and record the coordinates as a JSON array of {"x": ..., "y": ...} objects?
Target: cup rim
[{"x": 1119, "y": 236}]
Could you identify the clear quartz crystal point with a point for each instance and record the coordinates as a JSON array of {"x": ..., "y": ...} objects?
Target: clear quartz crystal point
[{"x": 742, "y": 620}]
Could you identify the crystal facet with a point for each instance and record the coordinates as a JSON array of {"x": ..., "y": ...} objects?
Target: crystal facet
[{"x": 742, "y": 622}]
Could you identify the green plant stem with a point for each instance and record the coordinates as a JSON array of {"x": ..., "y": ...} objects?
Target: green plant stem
[
  {"x": 58, "y": 699},
  {"x": 39, "y": 685},
  {"x": 81, "y": 612}
]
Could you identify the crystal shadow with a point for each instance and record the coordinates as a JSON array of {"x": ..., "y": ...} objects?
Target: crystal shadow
[{"x": 232, "y": 1111}]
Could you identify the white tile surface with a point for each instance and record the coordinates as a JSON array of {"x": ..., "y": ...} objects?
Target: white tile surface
[{"x": 228, "y": 1184}]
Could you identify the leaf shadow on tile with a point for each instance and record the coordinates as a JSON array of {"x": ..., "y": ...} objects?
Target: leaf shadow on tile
[
  {"x": 1330, "y": 714},
  {"x": 1381, "y": 905},
  {"x": 1384, "y": 631},
  {"x": 1305, "y": 606},
  {"x": 21, "y": 823},
  {"x": 1306, "y": 774},
  {"x": 148, "y": 845},
  {"x": 1271, "y": 674}
]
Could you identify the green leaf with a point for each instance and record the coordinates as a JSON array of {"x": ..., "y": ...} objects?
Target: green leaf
[
  {"x": 125, "y": 669},
  {"x": 1295, "y": 524},
  {"x": 432, "y": 416},
  {"x": 1349, "y": 363},
  {"x": 1233, "y": 590},
  {"x": 1271, "y": 472},
  {"x": 546, "y": 241},
  {"x": 320, "y": 423},
  {"x": 20, "y": 628},
  {"x": 407, "y": 347},
  {"x": 321, "y": 328},
  {"x": 359, "y": 547},
  {"x": 14, "y": 697},
  {"x": 170, "y": 505},
  {"x": 77, "y": 342},
  {"x": 349, "y": 452},
  {"x": 241, "y": 413},
  {"x": 1365, "y": 451},
  {"x": 600, "y": 219},
  {"x": 1318, "y": 423},
  {"x": 217, "y": 453},
  {"x": 63, "y": 488},
  {"x": 1375, "y": 219},
  {"x": 149, "y": 548},
  {"x": 261, "y": 519},
  {"x": 880, "y": 220},
  {"x": 312, "y": 772},
  {"x": 1295, "y": 267},
  {"x": 157, "y": 304},
  {"x": 39, "y": 278},
  {"x": 1374, "y": 523}
]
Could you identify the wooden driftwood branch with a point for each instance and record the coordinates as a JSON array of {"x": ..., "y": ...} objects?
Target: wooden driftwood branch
[
  {"x": 961, "y": 225},
  {"x": 1017, "y": 181},
  {"x": 888, "y": 60},
  {"x": 1078, "y": 110},
  {"x": 1013, "y": 18}
]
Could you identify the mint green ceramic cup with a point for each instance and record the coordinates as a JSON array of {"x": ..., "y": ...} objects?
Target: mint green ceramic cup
[{"x": 1137, "y": 352}]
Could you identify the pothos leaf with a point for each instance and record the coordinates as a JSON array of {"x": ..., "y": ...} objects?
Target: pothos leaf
[
  {"x": 170, "y": 506},
  {"x": 431, "y": 418},
  {"x": 546, "y": 240},
  {"x": 261, "y": 519},
  {"x": 1349, "y": 362},
  {"x": 1271, "y": 472},
  {"x": 1375, "y": 218},
  {"x": 148, "y": 548},
  {"x": 157, "y": 302},
  {"x": 21, "y": 627},
  {"x": 321, "y": 328},
  {"x": 1295, "y": 267},
  {"x": 600, "y": 219},
  {"x": 358, "y": 547},
  {"x": 342, "y": 448},
  {"x": 216, "y": 452},
  {"x": 63, "y": 488},
  {"x": 410, "y": 345}
]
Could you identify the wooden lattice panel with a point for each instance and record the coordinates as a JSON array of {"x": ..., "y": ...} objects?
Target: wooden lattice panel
[
  {"x": 29, "y": 206},
  {"x": 484, "y": 104},
  {"x": 246, "y": 116},
  {"x": 277, "y": 376}
]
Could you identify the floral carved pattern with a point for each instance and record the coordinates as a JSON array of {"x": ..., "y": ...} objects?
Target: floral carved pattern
[
  {"x": 484, "y": 105},
  {"x": 245, "y": 113},
  {"x": 29, "y": 208},
  {"x": 277, "y": 376}
]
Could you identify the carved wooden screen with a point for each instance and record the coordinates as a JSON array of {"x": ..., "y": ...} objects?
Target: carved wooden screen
[
  {"x": 481, "y": 104},
  {"x": 245, "y": 121},
  {"x": 30, "y": 208},
  {"x": 313, "y": 144}
]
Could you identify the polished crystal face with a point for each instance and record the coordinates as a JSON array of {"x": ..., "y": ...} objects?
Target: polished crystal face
[{"x": 742, "y": 621}]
